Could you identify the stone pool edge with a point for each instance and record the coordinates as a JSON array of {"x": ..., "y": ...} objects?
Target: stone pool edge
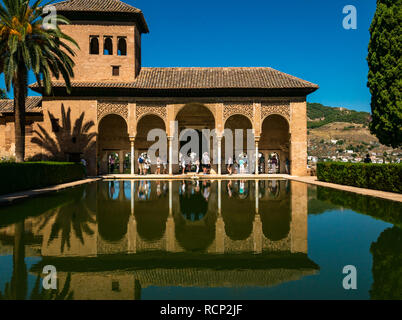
[
  {"x": 366, "y": 192},
  {"x": 8, "y": 199}
]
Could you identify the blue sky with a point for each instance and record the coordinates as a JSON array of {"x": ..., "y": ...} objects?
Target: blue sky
[{"x": 304, "y": 38}]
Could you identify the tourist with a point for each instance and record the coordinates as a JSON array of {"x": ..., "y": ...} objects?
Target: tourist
[
  {"x": 164, "y": 163},
  {"x": 147, "y": 164},
  {"x": 206, "y": 162},
  {"x": 111, "y": 162},
  {"x": 183, "y": 164},
  {"x": 141, "y": 161},
  {"x": 158, "y": 165},
  {"x": 274, "y": 163},
  {"x": 367, "y": 159},
  {"x": 241, "y": 164},
  {"x": 197, "y": 166},
  {"x": 230, "y": 165},
  {"x": 287, "y": 166},
  {"x": 84, "y": 164},
  {"x": 261, "y": 165}
]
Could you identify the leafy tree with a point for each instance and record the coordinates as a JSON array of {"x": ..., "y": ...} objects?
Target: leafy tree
[
  {"x": 385, "y": 72},
  {"x": 3, "y": 94},
  {"x": 26, "y": 45}
]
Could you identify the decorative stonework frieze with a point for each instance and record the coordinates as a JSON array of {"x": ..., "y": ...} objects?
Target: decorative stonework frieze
[
  {"x": 156, "y": 109},
  {"x": 242, "y": 109},
  {"x": 282, "y": 109},
  {"x": 106, "y": 108}
]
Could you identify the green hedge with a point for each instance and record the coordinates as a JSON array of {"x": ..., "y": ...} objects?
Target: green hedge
[
  {"x": 32, "y": 175},
  {"x": 385, "y": 177}
]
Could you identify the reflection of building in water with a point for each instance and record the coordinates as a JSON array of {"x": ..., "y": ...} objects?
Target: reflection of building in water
[
  {"x": 192, "y": 216},
  {"x": 170, "y": 219}
]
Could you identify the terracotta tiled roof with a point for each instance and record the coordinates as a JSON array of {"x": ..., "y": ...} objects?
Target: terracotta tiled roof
[
  {"x": 203, "y": 78},
  {"x": 102, "y": 6},
  {"x": 33, "y": 104}
]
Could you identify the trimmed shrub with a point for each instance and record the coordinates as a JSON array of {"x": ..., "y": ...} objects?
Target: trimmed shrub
[
  {"x": 32, "y": 175},
  {"x": 385, "y": 177}
]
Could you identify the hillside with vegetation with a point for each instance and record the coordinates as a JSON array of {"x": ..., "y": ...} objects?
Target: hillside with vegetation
[
  {"x": 320, "y": 115},
  {"x": 339, "y": 134}
]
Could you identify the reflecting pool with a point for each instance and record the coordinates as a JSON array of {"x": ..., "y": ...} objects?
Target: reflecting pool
[{"x": 199, "y": 239}]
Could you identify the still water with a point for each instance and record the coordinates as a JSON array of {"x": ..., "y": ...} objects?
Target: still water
[{"x": 201, "y": 240}]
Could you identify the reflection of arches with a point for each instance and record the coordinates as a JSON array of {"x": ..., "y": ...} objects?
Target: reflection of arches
[
  {"x": 193, "y": 206},
  {"x": 151, "y": 217},
  {"x": 238, "y": 215},
  {"x": 108, "y": 46},
  {"x": 196, "y": 235},
  {"x": 113, "y": 215},
  {"x": 94, "y": 45},
  {"x": 276, "y": 218},
  {"x": 122, "y": 47}
]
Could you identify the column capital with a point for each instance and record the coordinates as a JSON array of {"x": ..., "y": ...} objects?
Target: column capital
[
  {"x": 257, "y": 139},
  {"x": 170, "y": 138},
  {"x": 132, "y": 139}
]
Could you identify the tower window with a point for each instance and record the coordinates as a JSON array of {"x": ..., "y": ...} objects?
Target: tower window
[
  {"x": 115, "y": 71},
  {"x": 122, "y": 47},
  {"x": 94, "y": 45},
  {"x": 108, "y": 46}
]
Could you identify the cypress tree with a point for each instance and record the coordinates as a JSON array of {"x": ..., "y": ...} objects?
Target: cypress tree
[{"x": 385, "y": 75}]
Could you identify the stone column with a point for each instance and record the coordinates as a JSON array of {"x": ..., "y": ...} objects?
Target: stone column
[
  {"x": 121, "y": 161},
  {"x": 298, "y": 138},
  {"x": 219, "y": 155},
  {"x": 170, "y": 139},
  {"x": 132, "y": 140},
  {"x": 257, "y": 139}
]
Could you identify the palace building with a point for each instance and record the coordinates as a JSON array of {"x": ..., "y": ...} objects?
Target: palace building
[{"x": 115, "y": 101}]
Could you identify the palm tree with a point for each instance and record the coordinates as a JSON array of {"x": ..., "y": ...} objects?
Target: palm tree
[{"x": 27, "y": 45}]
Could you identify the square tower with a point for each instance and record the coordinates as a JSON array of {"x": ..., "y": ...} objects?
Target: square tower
[{"x": 108, "y": 33}]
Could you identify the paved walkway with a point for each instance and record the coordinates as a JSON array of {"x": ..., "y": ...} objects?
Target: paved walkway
[
  {"x": 367, "y": 192},
  {"x": 21, "y": 195}
]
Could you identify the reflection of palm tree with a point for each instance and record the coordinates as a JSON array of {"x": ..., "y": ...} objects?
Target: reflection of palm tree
[
  {"x": 78, "y": 139},
  {"x": 74, "y": 216},
  {"x": 17, "y": 289},
  {"x": 64, "y": 294}
]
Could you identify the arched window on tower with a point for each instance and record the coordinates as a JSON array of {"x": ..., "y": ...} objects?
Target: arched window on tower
[
  {"x": 108, "y": 46},
  {"x": 122, "y": 47},
  {"x": 94, "y": 45}
]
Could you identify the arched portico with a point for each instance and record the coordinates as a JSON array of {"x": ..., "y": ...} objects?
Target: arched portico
[
  {"x": 112, "y": 138},
  {"x": 198, "y": 117},
  {"x": 238, "y": 127},
  {"x": 275, "y": 140}
]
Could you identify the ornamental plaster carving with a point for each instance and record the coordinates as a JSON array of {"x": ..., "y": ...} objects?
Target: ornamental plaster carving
[
  {"x": 156, "y": 109},
  {"x": 282, "y": 109},
  {"x": 241, "y": 109},
  {"x": 106, "y": 108}
]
